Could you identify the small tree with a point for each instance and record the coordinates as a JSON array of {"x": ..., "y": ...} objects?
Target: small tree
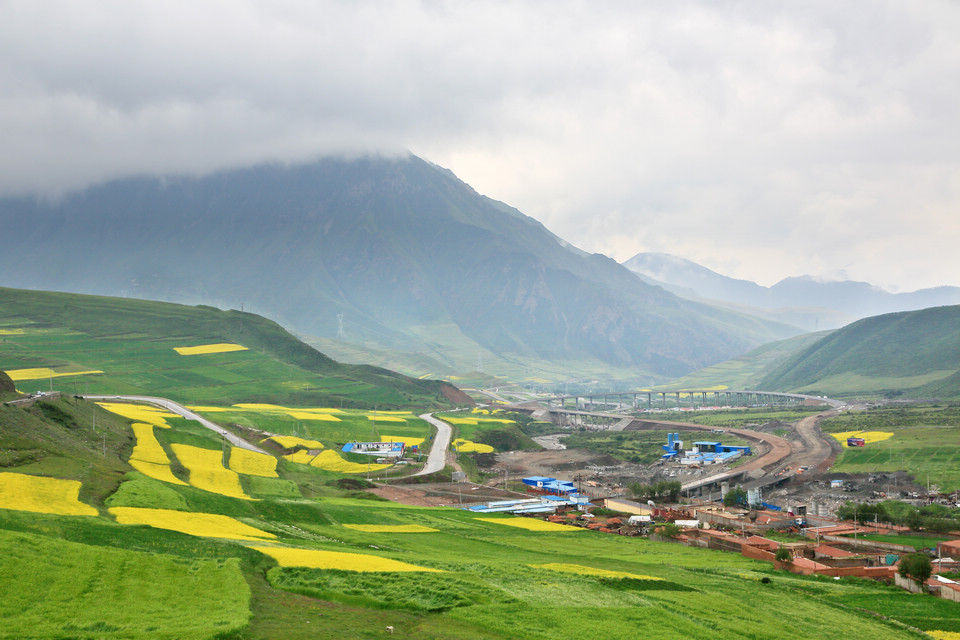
[
  {"x": 734, "y": 497},
  {"x": 783, "y": 555},
  {"x": 916, "y": 566}
]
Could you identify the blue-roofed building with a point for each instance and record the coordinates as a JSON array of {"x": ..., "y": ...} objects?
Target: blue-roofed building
[{"x": 379, "y": 449}]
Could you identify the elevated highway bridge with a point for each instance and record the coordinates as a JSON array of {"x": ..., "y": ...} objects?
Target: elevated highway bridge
[{"x": 650, "y": 399}]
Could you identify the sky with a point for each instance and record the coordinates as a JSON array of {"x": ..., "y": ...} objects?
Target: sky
[{"x": 761, "y": 139}]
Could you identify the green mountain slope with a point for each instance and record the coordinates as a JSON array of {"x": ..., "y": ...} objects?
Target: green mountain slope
[
  {"x": 917, "y": 351},
  {"x": 131, "y": 343},
  {"x": 392, "y": 254},
  {"x": 747, "y": 371}
]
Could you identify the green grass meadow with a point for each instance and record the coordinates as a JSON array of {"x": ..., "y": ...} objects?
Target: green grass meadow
[{"x": 926, "y": 443}]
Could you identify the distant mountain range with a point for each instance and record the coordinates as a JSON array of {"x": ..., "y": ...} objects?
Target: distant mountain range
[
  {"x": 802, "y": 301},
  {"x": 392, "y": 254}
]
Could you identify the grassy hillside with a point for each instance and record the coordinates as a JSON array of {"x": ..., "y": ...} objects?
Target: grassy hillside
[
  {"x": 746, "y": 371},
  {"x": 914, "y": 352},
  {"x": 131, "y": 345},
  {"x": 156, "y": 559}
]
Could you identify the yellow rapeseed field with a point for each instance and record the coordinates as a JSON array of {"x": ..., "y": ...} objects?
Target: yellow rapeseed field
[
  {"x": 331, "y": 461},
  {"x": 532, "y": 524},
  {"x": 252, "y": 463},
  {"x": 391, "y": 528},
  {"x": 148, "y": 456},
  {"x": 300, "y": 457},
  {"x": 311, "y": 415},
  {"x": 869, "y": 436},
  {"x": 944, "y": 635},
  {"x": 289, "y": 442},
  {"x": 207, "y": 471},
  {"x": 467, "y": 446},
  {"x": 407, "y": 440},
  {"x": 204, "y": 525},
  {"x": 160, "y": 472},
  {"x": 385, "y": 418},
  {"x": 297, "y": 413},
  {"x": 140, "y": 413},
  {"x": 148, "y": 448},
  {"x": 591, "y": 571},
  {"x": 42, "y": 373},
  {"x": 42, "y": 495},
  {"x": 315, "y": 559},
  {"x": 221, "y": 347},
  {"x": 11, "y": 332}
]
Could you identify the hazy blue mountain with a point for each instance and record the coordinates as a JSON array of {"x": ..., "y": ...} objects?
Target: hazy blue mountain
[
  {"x": 400, "y": 250},
  {"x": 803, "y": 301}
]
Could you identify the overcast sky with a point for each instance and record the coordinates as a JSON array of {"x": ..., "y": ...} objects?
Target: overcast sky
[{"x": 761, "y": 139}]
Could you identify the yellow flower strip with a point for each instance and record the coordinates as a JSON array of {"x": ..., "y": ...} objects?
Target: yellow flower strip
[
  {"x": 207, "y": 471},
  {"x": 532, "y": 524},
  {"x": 310, "y": 415},
  {"x": 869, "y": 436},
  {"x": 42, "y": 495},
  {"x": 221, "y": 347},
  {"x": 204, "y": 525},
  {"x": 160, "y": 472},
  {"x": 943, "y": 635},
  {"x": 289, "y": 442},
  {"x": 11, "y": 332},
  {"x": 467, "y": 446},
  {"x": 140, "y": 413},
  {"x": 407, "y": 440},
  {"x": 380, "y": 418},
  {"x": 148, "y": 448},
  {"x": 300, "y": 457},
  {"x": 148, "y": 456},
  {"x": 390, "y": 528},
  {"x": 42, "y": 373},
  {"x": 331, "y": 461},
  {"x": 315, "y": 559},
  {"x": 591, "y": 571},
  {"x": 253, "y": 463}
]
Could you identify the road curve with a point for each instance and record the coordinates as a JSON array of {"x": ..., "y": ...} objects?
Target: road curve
[
  {"x": 437, "y": 459},
  {"x": 181, "y": 410}
]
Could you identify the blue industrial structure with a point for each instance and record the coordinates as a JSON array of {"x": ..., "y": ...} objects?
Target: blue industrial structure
[{"x": 551, "y": 486}]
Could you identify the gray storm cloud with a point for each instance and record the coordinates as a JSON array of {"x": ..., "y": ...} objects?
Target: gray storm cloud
[{"x": 760, "y": 139}]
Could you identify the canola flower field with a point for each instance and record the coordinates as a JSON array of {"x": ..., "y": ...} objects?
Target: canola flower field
[
  {"x": 205, "y": 349},
  {"x": 207, "y": 471},
  {"x": 42, "y": 495},
  {"x": 204, "y": 525},
  {"x": 44, "y": 373},
  {"x": 253, "y": 463}
]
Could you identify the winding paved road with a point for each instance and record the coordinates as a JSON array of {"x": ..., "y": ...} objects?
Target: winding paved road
[
  {"x": 181, "y": 410},
  {"x": 441, "y": 442}
]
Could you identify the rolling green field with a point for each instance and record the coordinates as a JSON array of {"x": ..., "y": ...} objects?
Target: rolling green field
[
  {"x": 132, "y": 344},
  {"x": 459, "y": 575},
  {"x": 925, "y": 442}
]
